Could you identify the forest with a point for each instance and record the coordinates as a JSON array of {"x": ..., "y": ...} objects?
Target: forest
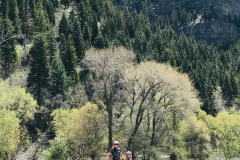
[{"x": 75, "y": 75}]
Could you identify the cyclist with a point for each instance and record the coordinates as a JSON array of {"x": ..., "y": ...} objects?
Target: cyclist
[{"x": 115, "y": 152}]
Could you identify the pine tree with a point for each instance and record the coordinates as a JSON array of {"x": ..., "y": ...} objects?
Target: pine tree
[
  {"x": 58, "y": 77},
  {"x": 8, "y": 55},
  {"x": 4, "y": 8},
  {"x": 87, "y": 35},
  {"x": 94, "y": 28},
  {"x": 50, "y": 11},
  {"x": 26, "y": 16},
  {"x": 38, "y": 77},
  {"x": 70, "y": 59},
  {"x": 13, "y": 12},
  {"x": 52, "y": 45},
  {"x": 71, "y": 19},
  {"x": 55, "y": 3},
  {"x": 64, "y": 26},
  {"x": 85, "y": 13},
  {"x": 227, "y": 90},
  {"x": 62, "y": 45},
  {"x": 65, "y": 3},
  {"x": 41, "y": 20},
  {"x": 78, "y": 40}
]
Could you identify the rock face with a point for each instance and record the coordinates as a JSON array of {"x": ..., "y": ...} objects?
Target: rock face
[
  {"x": 213, "y": 31},
  {"x": 225, "y": 7}
]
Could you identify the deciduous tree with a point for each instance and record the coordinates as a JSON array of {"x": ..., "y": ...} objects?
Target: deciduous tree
[{"x": 108, "y": 67}]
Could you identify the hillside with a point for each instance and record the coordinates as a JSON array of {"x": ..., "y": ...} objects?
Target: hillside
[
  {"x": 214, "y": 21},
  {"x": 160, "y": 76}
]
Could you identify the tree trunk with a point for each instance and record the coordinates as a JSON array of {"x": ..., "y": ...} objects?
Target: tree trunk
[
  {"x": 174, "y": 123},
  {"x": 110, "y": 125},
  {"x": 153, "y": 129}
]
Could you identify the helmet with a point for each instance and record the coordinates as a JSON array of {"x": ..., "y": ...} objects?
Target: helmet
[
  {"x": 128, "y": 152},
  {"x": 116, "y": 142}
]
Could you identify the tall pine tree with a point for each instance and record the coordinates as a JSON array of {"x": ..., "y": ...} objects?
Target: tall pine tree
[
  {"x": 8, "y": 55},
  {"x": 65, "y": 3},
  {"x": 58, "y": 77},
  {"x": 52, "y": 45},
  {"x": 70, "y": 60},
  {"x": 64, "y": 26},
  {"x": 38, "y": 77},
  {"x": 13, "y": 12},
  {"x": 78, "y": 40}
]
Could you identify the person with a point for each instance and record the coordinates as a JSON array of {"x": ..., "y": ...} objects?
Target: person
[
  {"x": 115, "y": 152},
  {"x": 128, "y": 155}
]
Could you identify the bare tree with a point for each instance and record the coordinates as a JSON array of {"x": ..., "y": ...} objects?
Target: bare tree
[
  {"x": 152, "y": 91},
  {"x": 108, "y": 67},
  {"x": 5, "y": 34}
]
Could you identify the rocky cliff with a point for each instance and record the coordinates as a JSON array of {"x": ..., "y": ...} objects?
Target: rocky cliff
[{"x": 224, "y": 27}]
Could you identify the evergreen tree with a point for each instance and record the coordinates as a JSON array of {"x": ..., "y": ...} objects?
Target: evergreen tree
[
  {"x": 58, "y": 77},
  {"x": 87, "y": 35},
  {"x": 85, "y": 13},
  {"x": 55, "y": 3},
  {"x": 227, "y": 90},
  {"x": 52, "y": 45},
  {"x": 94, "y": 28},
  {"x": 8, "y": 55},
  {"x": 69, "y": 59},
  {"x": 26, "y": 16},
  {"x": 13, "y": 12},
  {"x": 71, "y": 19},
  {"x": 4, "y": 8},
  {"x": 78, "y": 40},
  {"x": 62, "y": 46},
  {"x": 64, "y": 26},
  {"x": 65, "y": 3},
  {"x": 50, "y": 11},
  {"x": 41, "y": 20},
  {"x": 38, "y": 77}
]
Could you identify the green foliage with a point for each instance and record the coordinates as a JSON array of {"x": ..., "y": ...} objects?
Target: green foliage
[
  {"x": 224, "y": 131},
  {"x": 54, "y": 74},
  {"x": 41, "y": 20},
  {"x": 8, "y": 56},
  {"x": 9, "y": 133},
  {"x": 82, "y": 127},
  {"x": 75, "y": 96},
  {"x": 58, "y": 151},
  {"x": 69, "y": 59},
  {"x": 194, "y": 139},
  {"x": 58, "y": 78},
  {"x": 16, "y": 99},
  {"x": 64, "y": 26},
  {"x": 78, "y": 39},
  {"x": 38, "y": 77},
  {"x": 50, "y": 11},
  {"x": 13, "y": 12},
  {"x": 51, "y": 45},
  {"x": 228, "y": 129},
  {"x": 65, "y": 2},
  {"x": 162, "y": 101}
]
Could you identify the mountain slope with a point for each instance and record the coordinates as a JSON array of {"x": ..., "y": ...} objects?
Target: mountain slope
[{"x": 220, "y": 20}]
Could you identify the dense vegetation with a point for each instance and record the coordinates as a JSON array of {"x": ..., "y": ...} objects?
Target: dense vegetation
[{"x": 48, "y": 70}]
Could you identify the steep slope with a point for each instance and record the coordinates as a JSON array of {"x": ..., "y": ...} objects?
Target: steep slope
[{"x": 221, "y": 22}]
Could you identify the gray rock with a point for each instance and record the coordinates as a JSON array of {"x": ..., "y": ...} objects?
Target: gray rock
[{"x": 214, "y": 31}]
